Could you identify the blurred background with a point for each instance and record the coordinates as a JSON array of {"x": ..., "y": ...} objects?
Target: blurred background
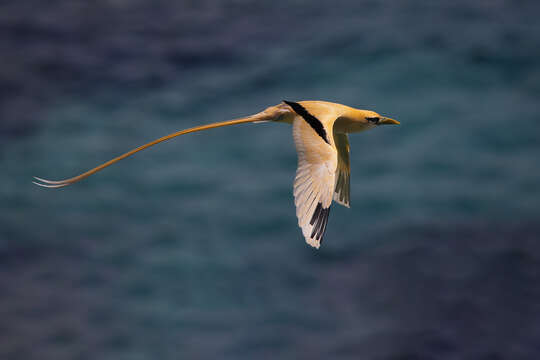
[{"x": 192, "y": 250}]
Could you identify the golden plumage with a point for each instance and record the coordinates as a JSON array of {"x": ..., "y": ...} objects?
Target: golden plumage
[{"x": 320, "y": 131}]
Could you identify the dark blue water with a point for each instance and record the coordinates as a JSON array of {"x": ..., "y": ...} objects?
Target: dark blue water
[{"x": 191, "y": 249}]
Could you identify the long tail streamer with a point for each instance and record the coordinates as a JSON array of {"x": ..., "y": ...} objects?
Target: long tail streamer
[{"x": 66, "y": 182}]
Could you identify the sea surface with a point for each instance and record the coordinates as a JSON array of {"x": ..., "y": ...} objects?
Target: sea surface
[{"x": 191, "y": 249}]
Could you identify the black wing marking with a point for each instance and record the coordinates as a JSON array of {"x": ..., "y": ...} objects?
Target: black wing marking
[
  {"x": 319, "y": 220},
  {"x": 311, "y": 120}
]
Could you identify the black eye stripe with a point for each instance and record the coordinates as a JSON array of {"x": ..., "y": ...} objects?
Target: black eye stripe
[{"x": 374, "y": 119}]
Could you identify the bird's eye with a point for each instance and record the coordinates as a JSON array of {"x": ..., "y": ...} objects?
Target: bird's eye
[{"x": 374, "y": 119}]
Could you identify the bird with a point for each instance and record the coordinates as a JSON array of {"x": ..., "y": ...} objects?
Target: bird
[{"x": 320, "y": 133}]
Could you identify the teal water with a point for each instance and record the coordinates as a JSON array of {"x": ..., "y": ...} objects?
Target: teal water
[{"x": 191, "y": 249}]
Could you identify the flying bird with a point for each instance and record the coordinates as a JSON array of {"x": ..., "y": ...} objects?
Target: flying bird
[{"x": 320, "y": 132}]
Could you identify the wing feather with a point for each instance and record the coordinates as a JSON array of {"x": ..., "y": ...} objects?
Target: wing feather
[
  {"x": 343, "y": 171},
  {"x": 314, "y": 181}
]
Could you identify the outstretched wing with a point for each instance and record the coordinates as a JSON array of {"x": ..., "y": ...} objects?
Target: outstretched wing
[
  {"x": 343, "y": 172},
  {"x": 315, "y": 178}
]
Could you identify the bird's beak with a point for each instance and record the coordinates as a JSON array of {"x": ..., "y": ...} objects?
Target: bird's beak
[{"x": 388, "y": 121}]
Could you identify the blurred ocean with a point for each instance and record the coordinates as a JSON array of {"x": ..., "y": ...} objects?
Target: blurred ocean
[{"x": 191, "y": 250}]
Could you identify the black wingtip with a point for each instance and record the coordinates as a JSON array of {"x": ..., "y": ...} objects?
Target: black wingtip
[{"x": 319, "y": 220}]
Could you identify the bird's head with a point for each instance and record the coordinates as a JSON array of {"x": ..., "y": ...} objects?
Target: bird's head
[
  {"x": 358, "y": 120},
  {"x": 372, "y": 118}
]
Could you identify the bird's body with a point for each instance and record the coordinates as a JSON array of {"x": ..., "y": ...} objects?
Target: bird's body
[{"x": 320, "y": 131}]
